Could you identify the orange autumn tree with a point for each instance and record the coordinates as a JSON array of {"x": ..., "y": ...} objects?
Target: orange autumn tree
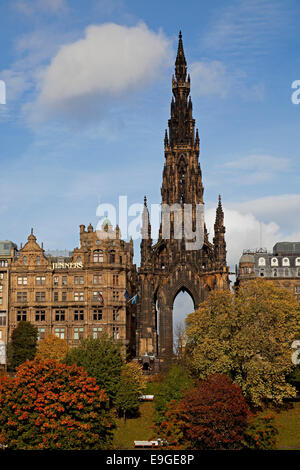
[
  {"x": 52, "y": 347},
  {"x": 49, "y": 405}
]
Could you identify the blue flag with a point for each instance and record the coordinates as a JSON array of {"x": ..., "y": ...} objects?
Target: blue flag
[
  {"x": 134, "y": 299},
  {"x": 126, "y": 295}
]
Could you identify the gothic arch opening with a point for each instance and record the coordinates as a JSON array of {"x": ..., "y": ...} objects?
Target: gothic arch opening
[{"x": 183, "y": 304}]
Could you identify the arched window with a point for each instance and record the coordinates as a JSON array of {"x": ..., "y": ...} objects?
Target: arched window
[
  {"x": 112, "y": 256},
  {"x": 78, "y": 259},
  {"x": 98, "y": 256},
  {"x": 25, "y": 260},
  {"x": 274, "y": 262},
  {"x": 262, "y": 272},
  {"x": 38, "y": 260},
  {"x": 297, "y": 262},
  {"x": 261, "y": 262},
  {"x": 275, "y": 274},
  {"x": 285, "y": 262}
]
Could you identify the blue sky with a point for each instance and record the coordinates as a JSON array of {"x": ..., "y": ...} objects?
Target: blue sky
[{"x": 88, "y": 99}]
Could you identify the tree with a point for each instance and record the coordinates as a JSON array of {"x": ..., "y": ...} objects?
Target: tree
[
  {"x": 171, "y": 388},
  {"x": 131, "y": 387},
  {"x": 102, "y": 359},
  {"x": 212, "y": 415},
  {"x": 23, "y": 344},
  {"x": 247, "y": 336},
  {"x": 52, "y": 347},
  {"x": 49, "y": 405}
]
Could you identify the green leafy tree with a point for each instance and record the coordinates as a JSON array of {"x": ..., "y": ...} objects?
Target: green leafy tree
[
  {"x": 131, "y": 387},
  {"x": 50, "y": 405},
  {"x": 247, "y": 336},
  {"x": 102, "y": 359},
  {"x": 23, "y": 344},
  {"x": 171, "y": 388}
]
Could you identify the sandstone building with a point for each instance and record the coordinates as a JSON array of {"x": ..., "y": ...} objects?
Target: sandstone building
[
  {"x": 282, "y": 266},
  {"x": 76, "y": 296}
]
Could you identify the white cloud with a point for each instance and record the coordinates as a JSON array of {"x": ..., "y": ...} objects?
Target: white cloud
[
  {"x": 210, "y": 78},
  {"x": 275, "y": 214},
  {"x": 109, "y": 62}
]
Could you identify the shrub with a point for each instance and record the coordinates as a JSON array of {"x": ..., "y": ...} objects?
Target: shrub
[
  {"x": 213, "y": 415},
  {"x": 49, "y": 405}
]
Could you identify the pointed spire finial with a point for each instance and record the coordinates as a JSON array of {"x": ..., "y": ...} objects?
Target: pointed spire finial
[
  {"x": 180, "y": 63},
  {"x": 145, "y": 201}
]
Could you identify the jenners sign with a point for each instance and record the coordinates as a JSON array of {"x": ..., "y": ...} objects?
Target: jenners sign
[{"x": 67, "y": 265}]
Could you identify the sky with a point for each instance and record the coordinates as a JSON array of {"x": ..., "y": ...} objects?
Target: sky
[{"x": 88, "y": 91}]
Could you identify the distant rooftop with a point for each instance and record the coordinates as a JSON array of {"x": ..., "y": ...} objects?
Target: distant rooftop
[
  {"x": 59, "y": 253},
  {"x": 6, "y": 246},
  {"x": 286, "y": 248}
]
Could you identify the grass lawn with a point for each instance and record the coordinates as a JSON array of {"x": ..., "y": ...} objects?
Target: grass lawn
[
  {"x": 288, "y": 422},
  {"x": 135, "y": 429}
]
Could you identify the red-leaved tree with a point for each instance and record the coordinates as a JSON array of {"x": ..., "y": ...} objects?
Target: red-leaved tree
[
  {"x": 213, "y": 415},
  {"x": 49, "y": 405}
]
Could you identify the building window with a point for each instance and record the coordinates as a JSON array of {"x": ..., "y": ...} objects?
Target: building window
[
  {"x": 60, "y": 315},
  {"x": 261, "y": 262},
  {"x": 297, "y": 289},
  {"x": 78, "y": 315},
  {"x": 1, "y": 288},
  {"x": 78, "y": 279},
  {"x": 116, "y": 332},
  {"x": 297, "y": 262},
  {"x": 40, "y": 281},
  {"x": 1, "y": 275},
  {"x": 286, "y": 272},
  {"x": 275, "y": 274},
  {"x": 25, "y": 260},
  {"x": 285, "y": 262},
  {"x": 298, "y": 272},
  {"x": 115, "y": 295},
  {"x": 274, "y": 262},
  {"x": 112, "y": 257},
  {"x": 78, "y": 333},
  {"x": 60, "y": 333},
  {"x": 97, "y": 332},
  {"x": 115, "y": 279},
  {"x": 78, "y": 259},
  {"x": 1, "y": 301},
  {"x": 40, "y": 296},
  {"x": 55, "y": 280},
  {"x": 98, "y": 256},
  {"x": 38, "y": 260},
  {"x": 2, "y": 319},
  {"x": 3, "y": 263},
  {"x": 97, "y": 278},
  {"x": 22, "y": 281},
  {"x": 97, "y": 315},
  {"x": 64, "y": 281},
  {"x": 262, "y": 272},
  {"x": 79, "y": 296},
  {"x": 120, "y": 259},
  {"x": 41, "y": 333},
  {"x": 21, "y": 315},
  {"x": 116, "y": 315},
  {"x": 21, "y": 296},
  {"x": 64, "y": 297},
  {"x": 40, "y": 315},
  {"x": 55, "y": 296}
]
